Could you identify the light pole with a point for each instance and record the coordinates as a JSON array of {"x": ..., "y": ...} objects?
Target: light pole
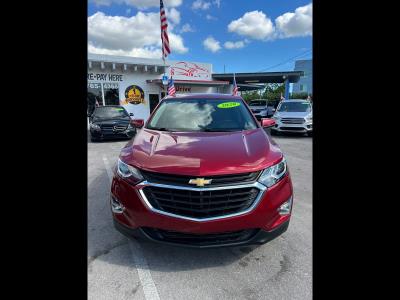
[{"x": 286, "y": 79}]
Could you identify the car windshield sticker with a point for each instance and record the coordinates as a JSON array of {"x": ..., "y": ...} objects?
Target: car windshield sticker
[
  {"x": 118, "y": 109},
  {"x": 228, "y": 104}
]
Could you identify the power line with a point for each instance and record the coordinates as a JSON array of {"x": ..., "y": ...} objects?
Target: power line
[{"x": 286, "y": 61}]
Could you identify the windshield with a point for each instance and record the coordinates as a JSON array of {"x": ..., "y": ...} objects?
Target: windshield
[
  {"x": 258, "y": 103},
  {"x": 295, "y": 107},
  {"x": 110, "y": 112},
  {"x": 202, "y": 115}
]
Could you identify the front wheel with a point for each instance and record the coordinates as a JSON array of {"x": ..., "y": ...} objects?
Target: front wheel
[{"x": 93, "y": 140}]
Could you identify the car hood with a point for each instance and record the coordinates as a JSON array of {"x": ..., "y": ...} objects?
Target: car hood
[
  {"x": 201, "y": 153},
  {"x": 293, "y": 114},
  {"x": 257, "y": 107}
]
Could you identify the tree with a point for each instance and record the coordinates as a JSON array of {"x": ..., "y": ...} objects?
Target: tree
[
  {"x": 301, "y": 95},
  {"x": 250, "y": 95},
  {"x": 273, "y": 91}
]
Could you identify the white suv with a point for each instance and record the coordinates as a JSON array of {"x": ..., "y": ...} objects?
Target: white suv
[{"x": 294, "y": 115}]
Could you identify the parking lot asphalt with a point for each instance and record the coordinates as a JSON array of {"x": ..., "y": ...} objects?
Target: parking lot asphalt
[{"x": 121, "y": 268}]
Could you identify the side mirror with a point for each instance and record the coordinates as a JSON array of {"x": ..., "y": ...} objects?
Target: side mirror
[
  {"x": 266, "y": 123},
  {"x": 138, "y": 123},
  {"x": 131, "y": 114}
]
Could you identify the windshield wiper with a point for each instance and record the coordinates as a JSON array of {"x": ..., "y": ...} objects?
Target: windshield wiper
[
  {"x": 159, "y": 128},
  {"x": 208, "y": 129}
]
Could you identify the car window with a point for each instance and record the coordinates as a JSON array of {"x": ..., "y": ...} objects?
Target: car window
[
  {"x": 295, "y": 107},
  {"x": 110, "y": 112},
  {"x": 202, "y": 115}
]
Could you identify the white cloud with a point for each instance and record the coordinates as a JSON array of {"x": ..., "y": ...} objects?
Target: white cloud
[
  {"x": 173, "y": 16},
  {"x": 142, "y": 4},
  {"x": 210, "y": 17},
  {"x": 176, "y": 43},
  {"x": 136, "y": 35},
  {"x": 254, "y": 24},
  {"x": 294, "y": 24},
  {"x": 234, "y": 45},
  {"x": 200, "y": 4},
  {"x": 150, "y": 52},
  {"x": 211, "y": 44},
  {"x": 187, "y": 28}
]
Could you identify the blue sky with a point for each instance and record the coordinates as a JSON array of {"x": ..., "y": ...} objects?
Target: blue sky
[{"x": 265, "y": 32}]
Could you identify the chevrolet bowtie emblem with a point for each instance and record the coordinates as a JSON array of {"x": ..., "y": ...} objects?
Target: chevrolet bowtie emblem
[{"x": 200, "y": 181}]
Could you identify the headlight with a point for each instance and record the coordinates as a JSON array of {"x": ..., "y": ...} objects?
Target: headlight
[
  {"x": 94, "y": 126},
  {"x": 309, "y": 118},
  {"x": 276, "y": 117},
  {"x": 128, "y": 172},
  {"x": 273, "y": 174}
]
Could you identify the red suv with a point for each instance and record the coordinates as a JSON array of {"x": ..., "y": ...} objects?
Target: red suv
[{"x": 202, "y": 172}]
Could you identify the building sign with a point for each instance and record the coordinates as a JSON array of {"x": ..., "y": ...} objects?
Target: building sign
[
  {"x": 133, "y": 95},
  {"x": 94, "y": 86},
  {"x": 190, "y": 71},
  {"x": 105, "y": 77},
  {"x": 183, "y": 89},
  {"x": 110, "y": 85}
]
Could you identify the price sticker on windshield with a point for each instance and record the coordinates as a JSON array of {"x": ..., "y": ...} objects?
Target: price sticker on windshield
[
  {"x": 118, "y": 109},
  {"x": 228, "y": 104}
]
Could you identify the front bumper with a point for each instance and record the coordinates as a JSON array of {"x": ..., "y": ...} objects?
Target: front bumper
[
  {"x": 264, "y": 217},
  {"x": 260, "y": 237},
  {"x": 101, "y": 135},
  {"x": 301, "y": 128}
]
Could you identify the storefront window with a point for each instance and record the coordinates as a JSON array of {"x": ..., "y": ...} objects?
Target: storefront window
[
  {"x": 94, "y": 97},
  {"x": 111, "y": 93}
]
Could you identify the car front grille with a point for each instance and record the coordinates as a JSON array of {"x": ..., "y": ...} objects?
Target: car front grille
[
  {"x": 183, "y": 180},
  {"x": 113, "y": 128},
  {"x": 293, "y": 120},
  {"x": 201, "y": 204},
  {"x": 200, "y": 239}
]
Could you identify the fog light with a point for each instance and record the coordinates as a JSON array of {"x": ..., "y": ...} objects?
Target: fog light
[
  {"x": 116, "y": 206},
  {"x": 286, "y": 207}
]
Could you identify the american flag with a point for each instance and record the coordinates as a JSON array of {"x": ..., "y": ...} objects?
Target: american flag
[
  {"x": 164, "y": 33},
  {"x": 235, "y": 87},
  {"x": 171, "y": 88}
]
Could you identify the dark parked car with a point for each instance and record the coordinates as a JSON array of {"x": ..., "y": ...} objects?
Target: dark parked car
[{"x": 110, "y": 122}]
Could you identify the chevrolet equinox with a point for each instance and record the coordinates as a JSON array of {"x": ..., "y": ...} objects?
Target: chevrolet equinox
[{"x": 202, "y": 172}]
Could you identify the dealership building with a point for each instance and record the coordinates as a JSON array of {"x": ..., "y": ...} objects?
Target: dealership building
[{"x": 138, "y": 85}]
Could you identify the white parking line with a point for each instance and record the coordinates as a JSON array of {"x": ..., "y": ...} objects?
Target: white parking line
[
  {"x": 142, "y": 267},
  {"x": 108, "y": 168},
  {"x": 148, "y": 285}
]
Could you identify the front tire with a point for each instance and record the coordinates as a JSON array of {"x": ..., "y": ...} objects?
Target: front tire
[{"x": 93, "y": 140}]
